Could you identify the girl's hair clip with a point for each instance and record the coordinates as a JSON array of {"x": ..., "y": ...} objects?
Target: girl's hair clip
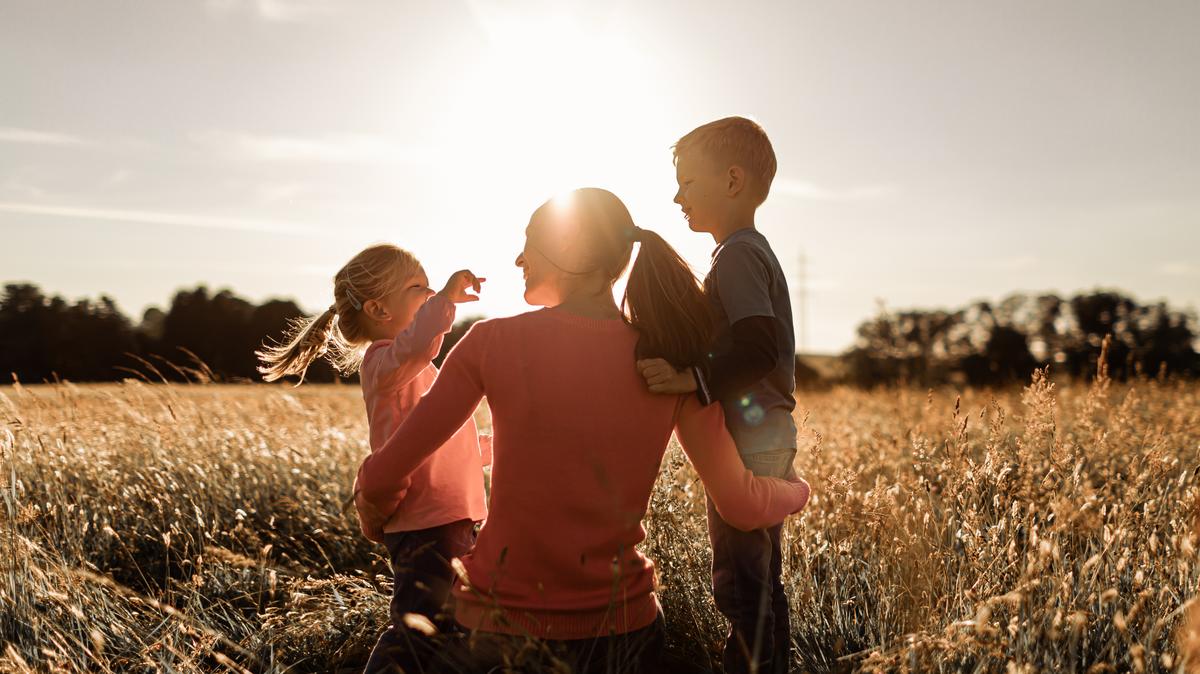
[{"x": 354, "y": 301}]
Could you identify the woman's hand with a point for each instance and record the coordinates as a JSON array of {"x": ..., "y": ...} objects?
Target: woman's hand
[
  {"x": 456, "y": 287},
  {"x": 370, "y": 520}
]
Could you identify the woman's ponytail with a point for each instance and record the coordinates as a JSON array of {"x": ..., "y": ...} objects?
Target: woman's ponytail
[
  {"x": 663, "y": 300},
  {"x": 666, "y": 304}
]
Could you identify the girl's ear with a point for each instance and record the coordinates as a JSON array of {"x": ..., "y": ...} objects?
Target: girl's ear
[{"x": 376, "y": 311}]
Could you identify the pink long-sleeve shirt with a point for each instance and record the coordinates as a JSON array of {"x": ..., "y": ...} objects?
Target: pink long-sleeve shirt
[
  {"x": 577, "y": 443},
  {"x": 448, "y": 485}
]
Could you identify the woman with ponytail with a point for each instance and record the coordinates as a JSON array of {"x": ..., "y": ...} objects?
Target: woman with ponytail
[
  {"x": 577, "y": 444},
  {"x": 387, "y": 324}
]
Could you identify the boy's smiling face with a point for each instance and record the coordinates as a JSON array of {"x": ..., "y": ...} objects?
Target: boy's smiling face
[{"x": 702, "y": 192}]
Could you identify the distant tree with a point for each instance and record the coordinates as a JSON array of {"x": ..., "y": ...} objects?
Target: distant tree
[
  {"x": 43, "y": 338},
  {"x": 24, "y": 316},
  {"x": 807, "y": 376},
  {"x": 985, "y": 344}
]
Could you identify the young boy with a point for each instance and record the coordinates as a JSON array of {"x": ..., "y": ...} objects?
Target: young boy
[{"x": 724, "y": 170}]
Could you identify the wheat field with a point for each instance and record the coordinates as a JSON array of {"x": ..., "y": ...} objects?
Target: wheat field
[{"x": 203, "y": 528}]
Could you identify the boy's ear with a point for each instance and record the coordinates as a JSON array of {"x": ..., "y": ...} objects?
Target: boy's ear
[
  {"x": 735, "y": 178},
  {"x": 375, "y": 311}
]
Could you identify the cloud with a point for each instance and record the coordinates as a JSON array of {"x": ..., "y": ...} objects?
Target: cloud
[
  {"x": 329, "y": 148},
  {"x": 279, "y": 11},
  {"x": 277, "y": 192},
  {"x": 9, "y": 134},
  {"x": 802, "y": 189},
  {"x": 157, "y": 218},
  {"x": 23, "y": 188},
  {"x": 1178, "y": 269},
  {"x": 1014, "y": 263}
]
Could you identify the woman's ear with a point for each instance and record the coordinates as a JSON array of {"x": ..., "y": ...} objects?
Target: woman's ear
[{"x": 376, "y": 311}]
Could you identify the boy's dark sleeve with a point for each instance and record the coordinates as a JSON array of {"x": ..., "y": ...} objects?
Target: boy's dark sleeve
[
  {"x": 742, "y": 281},
  {"x": 753, "y": 356}
]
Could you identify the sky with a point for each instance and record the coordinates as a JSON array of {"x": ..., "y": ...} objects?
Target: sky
[{"x": 930, "y": 153}]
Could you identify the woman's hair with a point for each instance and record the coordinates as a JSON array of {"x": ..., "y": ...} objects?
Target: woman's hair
[
  {"x": 663, "y": 300},
  {"x": 340, "y": 333}
]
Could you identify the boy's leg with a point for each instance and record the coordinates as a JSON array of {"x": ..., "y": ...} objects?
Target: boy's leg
[
  {"x": 781, "y": 660},
  {"x": 747, "y": 584},
  {"x": 423, "y": 579}
]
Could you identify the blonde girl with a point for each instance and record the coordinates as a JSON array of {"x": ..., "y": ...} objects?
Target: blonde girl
[{"x": 387, "y": 324}]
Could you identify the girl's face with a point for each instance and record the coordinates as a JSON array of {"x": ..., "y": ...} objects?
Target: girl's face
[{"x": 401, "y": 305}]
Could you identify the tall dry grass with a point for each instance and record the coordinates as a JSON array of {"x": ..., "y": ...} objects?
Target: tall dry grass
[{"x": 201, "y": 528}]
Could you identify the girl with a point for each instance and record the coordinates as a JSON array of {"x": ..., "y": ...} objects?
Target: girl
[
  {"x": 385, "y": 324},
  {"x": 577, "y": 445}
]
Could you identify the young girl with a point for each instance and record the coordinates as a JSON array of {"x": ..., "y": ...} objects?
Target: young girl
[{"x": 385, "y": 324}]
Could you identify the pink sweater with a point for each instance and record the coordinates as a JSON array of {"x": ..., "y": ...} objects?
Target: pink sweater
[
  {"x": 448, "y": 486},
  {"x": 577, "y": 445}
]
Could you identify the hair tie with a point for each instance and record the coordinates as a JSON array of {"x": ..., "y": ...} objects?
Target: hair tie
[{"x": 637, "y": 234}]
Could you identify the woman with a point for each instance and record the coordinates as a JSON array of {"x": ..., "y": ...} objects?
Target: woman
[{"x": 577, "y": 440}]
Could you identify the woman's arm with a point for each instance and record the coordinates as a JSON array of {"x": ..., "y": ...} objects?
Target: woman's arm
[
  {"x": 745, "y": 500},
  {"x": 383, "y": 477}
]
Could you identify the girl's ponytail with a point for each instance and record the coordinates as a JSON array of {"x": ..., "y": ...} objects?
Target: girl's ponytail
[
  {"x": 666, "y": 304},
  {"x": 340, "y": 334},
  {"x": 307, "y": 340}
]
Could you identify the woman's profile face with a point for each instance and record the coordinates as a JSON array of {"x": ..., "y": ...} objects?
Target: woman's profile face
[{"x": 541, "y": 278}]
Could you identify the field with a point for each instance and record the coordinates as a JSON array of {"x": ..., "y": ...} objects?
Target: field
[{"x": 203, "y": 528}]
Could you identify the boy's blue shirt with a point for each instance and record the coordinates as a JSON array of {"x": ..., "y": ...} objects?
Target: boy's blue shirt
[{"x": 747, "y": 280}]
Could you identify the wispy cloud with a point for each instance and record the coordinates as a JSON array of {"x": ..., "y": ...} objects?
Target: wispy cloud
[
  {"x": 1012, "y": 263},
  {"x": 283, "y": 11},
  {"x": 276, "y": 192},
  {"x": 330, "y": 148},
  {"x": 802, "y": 189},
  {"x": 1178, "y": 269},
  {"x": 10, "y": 134},
  {"x": 25, "y": 189},
  {"x": 157, "y": 218}
]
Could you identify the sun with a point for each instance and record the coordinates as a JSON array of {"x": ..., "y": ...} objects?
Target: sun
[
  {"x": 553, "y": 103},
  {"x": 534, "y": 104}
]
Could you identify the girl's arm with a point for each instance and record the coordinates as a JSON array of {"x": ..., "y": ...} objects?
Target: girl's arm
[
  {"x": 383, "y": 477},
  {"x": 745, "y": 500},
  {"x": 397, "y": 362}
]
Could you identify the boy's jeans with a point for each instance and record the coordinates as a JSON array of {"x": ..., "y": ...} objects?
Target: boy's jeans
[
  {"x": 747, "y": 585},
  {"x": 421, "y": 565}
]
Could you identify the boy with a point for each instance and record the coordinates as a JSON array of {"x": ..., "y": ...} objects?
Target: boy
[{"x": 724, "y": 170}]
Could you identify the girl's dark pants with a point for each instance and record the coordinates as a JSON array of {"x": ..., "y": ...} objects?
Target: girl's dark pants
[{"x": 423, "y": 577}]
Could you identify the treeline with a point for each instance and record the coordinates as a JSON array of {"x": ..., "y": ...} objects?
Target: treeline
[
  {"x": 989, "y": 344},
  {"x": 206, "y": 336},
  {"x": 202, "y": 336}
]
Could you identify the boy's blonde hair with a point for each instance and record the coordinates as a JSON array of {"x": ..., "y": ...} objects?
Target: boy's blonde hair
[
  {"x": 734, "y": 141},
  {"x": 340, "y": 333}
]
